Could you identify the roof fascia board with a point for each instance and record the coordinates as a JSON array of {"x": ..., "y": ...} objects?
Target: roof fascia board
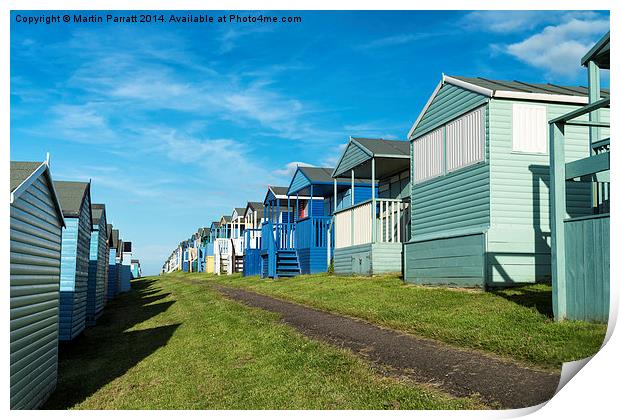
[
  {"x": 543, "y": 97},
  {"x": 469, "y": 86}
]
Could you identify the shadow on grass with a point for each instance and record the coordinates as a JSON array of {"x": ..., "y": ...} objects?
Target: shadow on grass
[
  {"x": 530, "y": 297},
  {"x": 106, "y": 351}
]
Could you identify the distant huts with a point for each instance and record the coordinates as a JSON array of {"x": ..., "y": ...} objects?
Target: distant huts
[
  {"x": 125, "y": 268},
  {"x": 36, "y": 224},
  {"x": 113, "y": 271},
  {"x": 136, "y": 270},
  {"x": 76, "y": 206},
  {"x": 98, "y": 265}
]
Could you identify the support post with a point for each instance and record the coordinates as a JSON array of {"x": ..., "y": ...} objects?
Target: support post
[
  {"x": 373, "y": 210},
  {"x": 311, "y": 216},
  {"x": 352, "y": 204},
  {"x": 558, "y": 213}
]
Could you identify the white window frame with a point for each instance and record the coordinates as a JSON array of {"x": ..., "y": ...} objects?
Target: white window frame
[
  {"x": 521, "y": 128},
  {"x": 429, "y": 147},
  {"x": 466, "y": 140}
]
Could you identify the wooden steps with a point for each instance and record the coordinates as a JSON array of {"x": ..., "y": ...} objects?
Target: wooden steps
[{"x": 287, "y": 263}]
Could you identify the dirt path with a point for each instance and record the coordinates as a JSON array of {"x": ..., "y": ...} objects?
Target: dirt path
[{"x": 459, "y": 372}]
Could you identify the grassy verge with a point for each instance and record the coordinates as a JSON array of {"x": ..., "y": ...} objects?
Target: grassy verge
[
  {"x": 516, "y": 323},
  {"x": 173, "y": 344}
]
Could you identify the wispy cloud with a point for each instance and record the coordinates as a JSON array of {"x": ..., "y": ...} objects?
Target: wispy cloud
[
  {"x": 400, "y": 39},
  {"x": 558, "y": 49},
  {"x": 518, "y": 21}
]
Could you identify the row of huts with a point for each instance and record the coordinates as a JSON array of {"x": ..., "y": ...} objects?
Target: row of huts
[
  {"x": 67, "y": 262},
  {"x": 499, "y": 183}
]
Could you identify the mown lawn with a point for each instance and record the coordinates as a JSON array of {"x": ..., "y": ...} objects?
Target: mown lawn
[
  {"x": 172, "y": 343},
  {"x": 516, "y": 323}
]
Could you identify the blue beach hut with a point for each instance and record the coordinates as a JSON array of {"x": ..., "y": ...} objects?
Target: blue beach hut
[{"x": 76, "y": 206}]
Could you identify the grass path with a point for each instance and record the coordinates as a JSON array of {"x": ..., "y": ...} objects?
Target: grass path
[
  {"x": 514, "y": 323},
  {"x": 172, "y": 345}
]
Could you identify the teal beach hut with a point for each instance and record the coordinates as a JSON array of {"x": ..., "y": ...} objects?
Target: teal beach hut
[
  {"x": 480, "y": 181},
  {"x": 369, "y": 235},
  {"x": 76, "y": 206},
  {"x": 36, "y": 223}
]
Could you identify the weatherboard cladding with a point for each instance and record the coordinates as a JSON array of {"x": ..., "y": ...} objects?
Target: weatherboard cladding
[
  {"x": 98, "y": 266},
  {"x": 369, "y": 259},
  {"x": 587, "y": 274},
  {"x": 74, "y": 271},
  {"x": 35, "y": 235},
  {"x": 450, "y": 102},
  {"x": 353, "y": 156},
  {"x": 519, "y": 239}
]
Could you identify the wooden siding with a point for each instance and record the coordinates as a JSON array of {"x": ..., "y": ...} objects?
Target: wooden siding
[
  {"x": 587, "y": 269},
  {"x": 459, "y": 200},
  {"x": 454, "y": 202},
  {"x": 97, "y": 272},
  {"x": 312, "y": 260},
  {"x": 112, "y": 275},
  {"x": 450, "y": 102},
  {"x": 397, "y": 187},
  {"x": 369, "y": 259},
  {"x": 458, "y": 261},
  {"x": 352, "y": 157},
  {"x": 519, "y": 239},
  {"x": 74, "y": 273},
  {"x": 299, "y": 181},
  {"x": 35, "y": 235}
]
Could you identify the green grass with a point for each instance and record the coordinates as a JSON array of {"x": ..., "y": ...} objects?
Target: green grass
[
  {"x": 174, "y": 344},
  {"x": 515, "y": 323}
]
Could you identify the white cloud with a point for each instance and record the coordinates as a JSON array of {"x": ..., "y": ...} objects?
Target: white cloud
[
  {"x": 289, "y": 169},
  {"x": 513, "y": 21},
  {"x": 558, "y": 49}
]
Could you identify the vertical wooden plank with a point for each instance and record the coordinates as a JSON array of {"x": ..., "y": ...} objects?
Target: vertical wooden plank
[{"x": 558, "y": 211}]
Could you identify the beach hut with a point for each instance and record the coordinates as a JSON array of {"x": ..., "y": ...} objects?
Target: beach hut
[
  {"x": 480, "y": 181},
  {"x": 36, "y": 223},
  {"x": 126, "y": 267},
  {"x": 237, "y": 236},
  {"x": 222, "y": 247},
  {"x": 113, "y": 273},
  {"x": 580, "y": 241},
  {"x": 314, "y": 215},
  {"x": 76, "y": 206},
  {"x": 136, "y": 271},
  {"x": 210, "y": 252},
  {"x": 369, "y": 236},
  {"x": 107, "y": 261},
  {"x": 254, "y": 216},
  {"x": 278, "y": 254},
  {"x": 97, "y": 265}
]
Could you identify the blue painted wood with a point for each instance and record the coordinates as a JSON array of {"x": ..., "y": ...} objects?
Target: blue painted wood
[
  {"x": 112, "y": 275},
  {"x": 299, "y": 181},
  {"x": 74, "y": 273}
]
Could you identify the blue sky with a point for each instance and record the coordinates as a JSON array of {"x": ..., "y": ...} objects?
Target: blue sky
[{"x": 177, "y": 124}]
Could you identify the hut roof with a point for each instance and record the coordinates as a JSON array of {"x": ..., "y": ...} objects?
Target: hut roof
[
  {"x": 71, "y": 195},
  {"x": 20, "y": 171},
  {"x": 383, "y": 147},
  {"x": 115, "y": 238},
  {"x": 22, "y": 174},
  {"x": 97, "y": 211},
  {"x": 526, "y": 87}
]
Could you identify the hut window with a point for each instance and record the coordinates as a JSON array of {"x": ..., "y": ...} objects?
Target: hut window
[
  {"x": 428, "y": 156},
  {"x": 529, "y": 128},
  {"x": 465, "y": 140}
]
